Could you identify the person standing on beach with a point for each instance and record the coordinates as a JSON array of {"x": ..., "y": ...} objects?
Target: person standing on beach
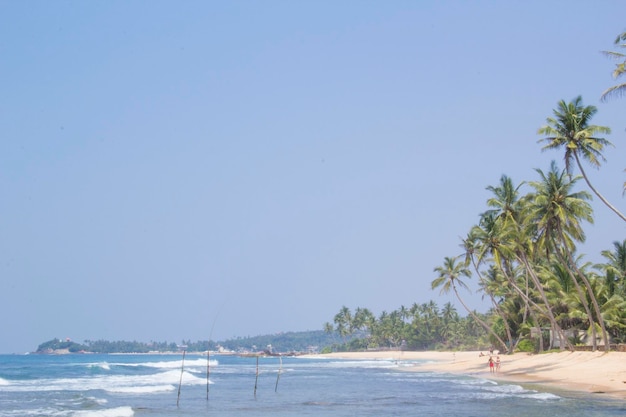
[
  {"x": 491, "y": 365},
  {"x": 498, "y": 363}
]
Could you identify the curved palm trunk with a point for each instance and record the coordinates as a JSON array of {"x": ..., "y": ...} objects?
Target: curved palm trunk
[
  {"x": 581, "y": 295},
  {"x": 507, "y": 328},
  {"x": 596, "y": 307},
  {"x": 600, "y": 196},
  {"x": 541, "y": 347},
  {"x": 528, "y": 302},
  {"x": 498, "y": 310},
  {"x": 594, "y": 301},
  {"x": 544, "y": 298},
  {"x": 482, "y": 323},
  {"x": 526, "y": 306}
]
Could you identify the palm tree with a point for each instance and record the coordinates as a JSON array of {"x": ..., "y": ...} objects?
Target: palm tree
[
  {"x": 615, "y": 268},
  {"x": 505, "y": 203},
  {"x": 328, "y": 328},
  {"x": 506, "y": 242},
  {"x": 525, "y": 252},
  {"x": 620, "y": 69},
  {"x": 362, "y": 319},
  {"x": 449, "y": 324},
  {"x": 558, "y": 213},
  {"x": 493, "y": 285},
  {"x": 344, "y": 323},
  {"x": 570, "y": 129},
  {"x": 449, "y": 276}
]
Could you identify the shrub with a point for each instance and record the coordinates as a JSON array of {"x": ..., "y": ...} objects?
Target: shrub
[{"x": 526, "y": 346}]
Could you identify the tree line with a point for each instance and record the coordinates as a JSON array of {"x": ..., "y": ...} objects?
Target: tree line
[
  {"x": 280, "y": 342},
  {"x": 418, "y": 327}
]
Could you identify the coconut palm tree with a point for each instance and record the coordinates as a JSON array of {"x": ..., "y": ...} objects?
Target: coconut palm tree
[
  {"x": 505, "y": 202},
  {"x": 362, "y": 319},
  {"x": 344, "y": 323},
  {"x": 615, "y": 267},
  {"x": 558, "y": 212},
  {"x": 620, "y": 69},
  {"x": 449, "y": 276},
  {"x": 493, "y": 285},
  {"x": 526, "y": 254},
  {"x": 449, "y": 325},
  {"x": 570, "y": 129},
  {"x": 505, "y": 243}
]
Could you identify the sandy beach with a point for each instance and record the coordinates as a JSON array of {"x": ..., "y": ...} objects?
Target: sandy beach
[{"x": 592, "y": 372}]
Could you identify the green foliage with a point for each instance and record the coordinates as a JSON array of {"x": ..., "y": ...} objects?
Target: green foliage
[
  {"x": 281, "y": 342},
  {"x": 420, "y": 327},
  {"x": 284, "y": 342},
  {"x": 60, "y": 345},
  {"x": 104, "y": 346},
  {"x": 526, "y": 346}
]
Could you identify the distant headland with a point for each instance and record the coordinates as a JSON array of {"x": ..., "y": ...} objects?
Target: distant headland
[{"x": 303, "y": 342}]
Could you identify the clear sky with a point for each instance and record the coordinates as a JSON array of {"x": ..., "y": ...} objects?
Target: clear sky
[{"x": 168, "y": 166}]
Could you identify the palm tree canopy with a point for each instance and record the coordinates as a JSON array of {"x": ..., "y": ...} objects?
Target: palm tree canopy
[
  {"x": 505, "y": 200},
  {"x": 450, "y": 274},
  {"x": 617, "y": 258},
  {"x": 620, "y": 69},
  {"x": 556, "y": 208},
  {"x": 570, "y": 129}
]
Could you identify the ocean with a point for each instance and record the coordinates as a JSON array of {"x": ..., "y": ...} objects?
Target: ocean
[{"x": 148, "y": 386}]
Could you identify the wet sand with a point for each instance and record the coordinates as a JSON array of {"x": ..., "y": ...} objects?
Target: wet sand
[{"x": 591, "y": 372}]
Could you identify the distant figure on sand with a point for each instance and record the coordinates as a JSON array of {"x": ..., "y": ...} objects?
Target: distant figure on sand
[
  {"x": 498, "y": 363},
  {"x": 491, "y": 365}
]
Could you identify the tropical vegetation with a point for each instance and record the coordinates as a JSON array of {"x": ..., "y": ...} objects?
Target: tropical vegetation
[
  {"x": 417, "y": 327},
  {"x": 524, "y": 253},
  {"x": 304, "y": 341}
]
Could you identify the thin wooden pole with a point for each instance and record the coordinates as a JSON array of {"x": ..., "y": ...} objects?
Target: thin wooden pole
[
  {"x": 256, "y": 380},
  {"x": 208, "y": 368},
  {"x": 278, "y": 375},
  {"x": 180, "y": 383},
  {"x": 208, "y": 361},
  {"x": 208, "y": 356}
]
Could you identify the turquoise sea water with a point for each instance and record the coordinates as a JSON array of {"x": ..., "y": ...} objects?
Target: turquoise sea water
[{"x": 147, "y": 385}]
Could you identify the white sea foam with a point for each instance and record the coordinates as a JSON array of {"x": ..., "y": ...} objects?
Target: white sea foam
[
  {"x": 486, "y": 389},
  {"x": 101, "y": 365},
  {"x": 382, "y": 363},
  {"x": 145, "y": 389},
  {"x": 542, "y": 396},
  {"x": 109, "y": 412},
  {"x": 52, "y": 412},
  {"x": 100, "y": 401},
  {"x": 200, "y": 362},
  {"x": 163, "y": 381},
  {"x": 4, "y": 382}
]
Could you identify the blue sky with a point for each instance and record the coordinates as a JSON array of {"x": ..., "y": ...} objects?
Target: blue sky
[{"x": 258, "y": 164}]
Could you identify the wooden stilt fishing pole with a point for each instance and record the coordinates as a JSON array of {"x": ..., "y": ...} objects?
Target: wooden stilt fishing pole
[
  {"x": 208, "y": 368},
  {"x": 208, "y": 356},
  {"x": 180, "y": 383},
  {"x": 278, "y": 375},
  {"x": 256, "y": 380},
  {"x": 208, "y": 360}
]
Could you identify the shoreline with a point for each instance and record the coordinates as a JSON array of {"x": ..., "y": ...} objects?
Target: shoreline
[{"x": 597, "y": 373}]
